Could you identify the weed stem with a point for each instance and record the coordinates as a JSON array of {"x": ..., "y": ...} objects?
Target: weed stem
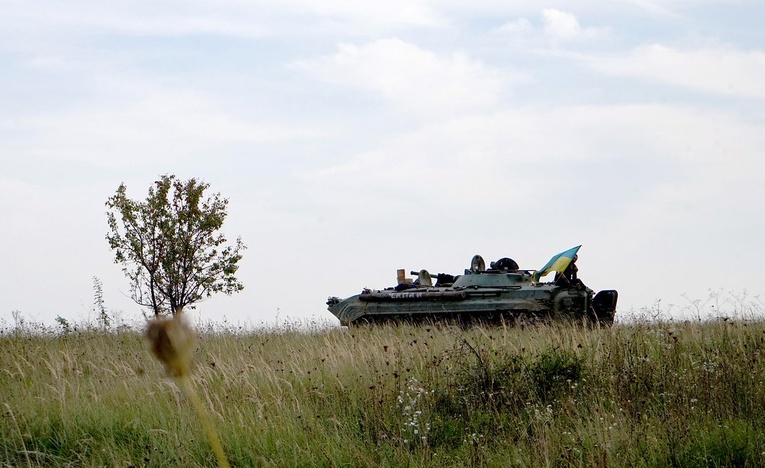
[{"x": 191, "y": 394}]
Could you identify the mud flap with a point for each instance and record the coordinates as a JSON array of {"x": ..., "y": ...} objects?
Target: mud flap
[{"x": 604, "y": 304}]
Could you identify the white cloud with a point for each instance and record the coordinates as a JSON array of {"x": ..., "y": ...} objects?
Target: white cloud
[
  {"x": 561, "y": 24},
  {"x": 484, "y": 161},
  {"x": 377, "y": 14},
  {"x": 155, "y": 127},
  {"x": 172, "y": 18},
  {"x": 517, "y": 27},
  {"x": 23, "y": 23},
  {"x": 718, "y": 70},
  {"x": 557, "y": 26},
  {"x": 413, "y": 78},
  {"x": 228, "y": 18},
  {"x": 656, "y": 8}
]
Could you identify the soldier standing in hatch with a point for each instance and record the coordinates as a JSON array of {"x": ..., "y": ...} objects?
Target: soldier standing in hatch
[{"x": 569, "y": 275}]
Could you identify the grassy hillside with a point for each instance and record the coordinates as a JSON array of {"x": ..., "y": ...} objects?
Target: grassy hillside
[{"x": 661, "y": 394}]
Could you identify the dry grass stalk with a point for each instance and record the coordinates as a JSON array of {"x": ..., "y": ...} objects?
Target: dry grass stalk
[{"x": 172, "y": 342}]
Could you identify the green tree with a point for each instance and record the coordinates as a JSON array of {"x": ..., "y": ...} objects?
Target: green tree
[{"x": 170, "y": 246}]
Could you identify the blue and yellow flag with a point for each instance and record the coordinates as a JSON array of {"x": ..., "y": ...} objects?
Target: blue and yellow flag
[{"x": 558, "y": 263}]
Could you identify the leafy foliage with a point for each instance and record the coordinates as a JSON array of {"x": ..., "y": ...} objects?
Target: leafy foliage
[{"x": 169, "y": 244}]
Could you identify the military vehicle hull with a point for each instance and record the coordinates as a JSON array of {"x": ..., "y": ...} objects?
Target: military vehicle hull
[{"x": 489, "y": 296}]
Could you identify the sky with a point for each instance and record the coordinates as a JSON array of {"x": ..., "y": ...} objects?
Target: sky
[{"x": 356, "y": 138}]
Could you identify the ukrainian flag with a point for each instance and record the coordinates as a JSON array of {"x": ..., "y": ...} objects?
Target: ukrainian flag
[{"x": 558, "y": 263}]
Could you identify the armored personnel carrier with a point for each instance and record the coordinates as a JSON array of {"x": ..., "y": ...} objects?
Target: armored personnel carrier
[{"x": 501, "y": 293}]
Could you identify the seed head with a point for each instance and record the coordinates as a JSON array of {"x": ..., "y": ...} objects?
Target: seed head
[{"x": 172, "y": 342}]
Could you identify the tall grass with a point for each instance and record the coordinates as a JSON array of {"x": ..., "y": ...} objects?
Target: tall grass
[{"x": 641, "y": 394}]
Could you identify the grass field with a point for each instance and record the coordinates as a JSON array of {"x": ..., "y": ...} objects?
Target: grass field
[{"x": 641, "y": 394}]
